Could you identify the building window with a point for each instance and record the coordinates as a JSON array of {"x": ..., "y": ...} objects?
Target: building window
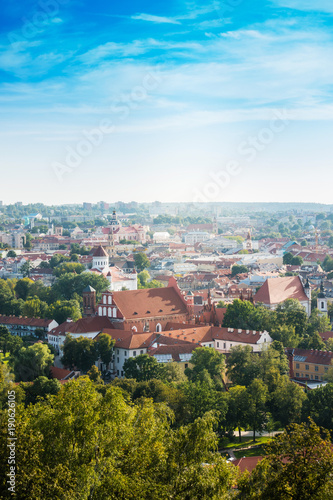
[
  {"x": 316, "y": 368},
  {"x": 297, "y": 365},
  {"x": 125, "y": 353},
  {"x": 297, "y": 374},
  {"x": 122, "y": 373},
  {"x": 217, "y": 344},
  {"x": 134, "y": 353},
  {"x": 118, "y": 373},
  {"x": 224, "y": 345},
  {"x": 110, "y": 299},
  {"x": 326, "y": 368},
  {"x": 186, "y": 365},
  {"x": 306, "y": 367},
  {"x": 316, "y": 377},
  {"x": 158, "y": 327},
  {"x": 141, "y": 352},
  {"x": 307, "y": 375},
  {"x": 117, "y": 351},
  {"x": 104, "y": 299},
  {"x": 117, "y": 360}
]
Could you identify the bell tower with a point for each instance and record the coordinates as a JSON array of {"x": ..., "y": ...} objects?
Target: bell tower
[
  {"x": 89, "y": 301},
  {"x": 322, "y": 301}
]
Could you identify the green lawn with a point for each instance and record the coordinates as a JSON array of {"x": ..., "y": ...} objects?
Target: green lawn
[
  {"x": 250, "y": 452},
  {"x": 246, "y": 441}
]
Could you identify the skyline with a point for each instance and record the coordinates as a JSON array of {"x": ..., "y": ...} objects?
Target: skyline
[{"x": 222, "y": 101}]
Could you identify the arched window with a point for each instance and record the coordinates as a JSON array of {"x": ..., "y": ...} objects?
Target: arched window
[
  {"x": 158, "y": 327},
  {"x": 110, "y": 299},
  {"x": 114, "y": 312},
  {"x": 99, "y": 311},
  {"x": 104, "y": 311},
  {"x": 104, "y": 299},
  {"x": 109, "y": 312}
]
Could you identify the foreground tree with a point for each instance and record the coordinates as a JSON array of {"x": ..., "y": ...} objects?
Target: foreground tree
[
  {"x": 82, "y": 445},
  {"x": 143, "y": 367},
  {"x": 298, "y": 466},
  {"x": 206, "y": 358},
  {"x": 31, "y": 362},
  {"x": 81, "y": 353}
]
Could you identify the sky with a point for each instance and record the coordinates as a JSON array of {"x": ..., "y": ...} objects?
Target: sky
[{"x": 173, "y": 101}]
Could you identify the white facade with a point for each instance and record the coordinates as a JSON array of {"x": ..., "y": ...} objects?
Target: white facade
[{"x": 196, "y": 237}]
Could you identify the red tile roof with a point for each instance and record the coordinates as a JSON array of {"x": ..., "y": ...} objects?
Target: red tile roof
[
  {"x": 24, "y": 321},
  {"x": 130, "y": 339},
  {"x": 83, "y": 325},
  {"x": 61, "y": 373},
  {"x": 247, "y": 463},
  {"x": 135, "y": 304},
  {"x": 277, "y": 290},
  {"x": 99, "y": 252}
]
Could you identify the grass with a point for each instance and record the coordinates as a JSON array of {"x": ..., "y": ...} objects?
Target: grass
[
  {"x": 246, "y": 441},
  {"x": 250, "y": 452}
]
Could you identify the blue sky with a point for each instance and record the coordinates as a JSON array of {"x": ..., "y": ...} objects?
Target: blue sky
[{"x": 176, "y": 101}]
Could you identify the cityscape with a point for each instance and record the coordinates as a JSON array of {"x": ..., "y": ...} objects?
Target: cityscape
[{"x": 166, "y": 250}]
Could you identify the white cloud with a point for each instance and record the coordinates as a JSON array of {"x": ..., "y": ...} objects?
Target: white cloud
[
  {"x": 155, "y": 19},
  {"x": 307, "y": 5}
]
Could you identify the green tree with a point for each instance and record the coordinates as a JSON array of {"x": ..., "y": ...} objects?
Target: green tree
[
  {"x": 287, "y": 258},
  {"x": 69, "y": 285},
  {"x": 238, "y": 405},
  {"x": 105, "y": 345},
  {"x": 142, "y": 367},
  {"x": 298, "y": 466},
  {"x": 206, "y": 358},
  {"x": 31, "y": 362},
  {"x": 35, "y": 308},
  {"x": 22, "y": 288},
  {"x": 236, "y": 269},
  {"x": 257, "y": 417},
  {"x": 61, "y": 310},
  {"x": 25, "y": 269},
  {"x": 68, "y": 267},
  {"x": 11, "y": 254},
  {"x": 297, "y": 261},
  {"x": 319, "y": 406},
  {"x": 95, "y": 375},
  {"x": 241, "y": 365},
  {"x": 104, "y": 447},
  {"x": 292, "y": 313},
  {"x": 238, "y": 314},
  {"x": 141, "y": 261},
  {"x": 40, "y": 389},
  {"x": 285, "y": 402},
  {"x": 81, "y": 353}
]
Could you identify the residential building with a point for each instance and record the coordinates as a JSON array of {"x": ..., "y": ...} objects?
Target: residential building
[
  {"x": 23, "y": 326},
  {"x": 306, "y": 364}
]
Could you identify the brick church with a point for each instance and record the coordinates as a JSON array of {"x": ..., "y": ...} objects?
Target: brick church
[{"x": 145, "y": 310}]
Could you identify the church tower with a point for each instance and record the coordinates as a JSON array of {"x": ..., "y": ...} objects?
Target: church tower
[
  {"x": 248, "y": 244},
  {"x": 322, "y": 301},
  {"x": 110, "y": 248},
  {"x": 89, "y": 301},
  {"x": 100, "y": 258}
]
